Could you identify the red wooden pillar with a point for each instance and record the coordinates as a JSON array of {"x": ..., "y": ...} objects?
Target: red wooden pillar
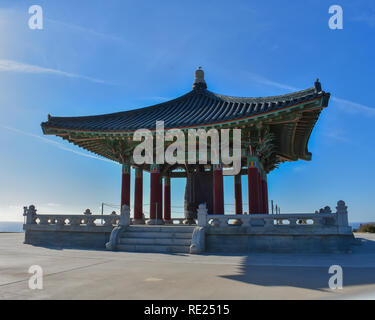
[
  {"x": 238, "y": 193},
  {"x": 253, "y": 185},
  {"x": 167, "y": 199},
  {"x": 260, "y": 192},
  {"x": 138, "y": 196},
  {"x": 125, "y": 185},
  {"x": 218, "y": 194},
  {"x": 160, "y": 200},
  {"x": 154, "y": 190},
  {"x": 265, "y": 192}
]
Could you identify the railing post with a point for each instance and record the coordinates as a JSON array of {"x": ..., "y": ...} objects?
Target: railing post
[
  {"x": 202, "y": 215},
  {"x": 123, "y": 223},
  {"x": 198, "y": 241},
  {"x": 342, "y": 214},
  {"x": 125, "y": 216},
  {"x": 75, "y": 221},
  {"x": 269, "y": 222},
  {"x": 30, "y": 213}
]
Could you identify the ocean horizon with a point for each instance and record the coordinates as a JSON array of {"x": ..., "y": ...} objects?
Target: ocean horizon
[
  {"x": 16, "y": 226},
  {"x": 11, "y": 226}
]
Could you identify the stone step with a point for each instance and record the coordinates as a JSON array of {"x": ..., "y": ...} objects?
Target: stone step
[
  {"x": 155, "y": 235},
  {"x": 142, "y": 228},
  {"x": 140, "y": 238},
  {"x": 153, "y": 248},
  {"x": 155, "y": 241}
]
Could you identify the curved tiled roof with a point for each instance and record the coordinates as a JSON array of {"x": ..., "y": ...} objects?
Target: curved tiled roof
[{"x": 198, "y": 107}]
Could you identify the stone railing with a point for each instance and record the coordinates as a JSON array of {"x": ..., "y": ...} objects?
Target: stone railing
[
  {"x": 64, "y": 220},
  {"x": 84, "y": 220},
  {"x": 322, "y": 222}
]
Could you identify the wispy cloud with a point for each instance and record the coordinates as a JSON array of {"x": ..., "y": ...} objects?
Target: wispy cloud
[
  {"x": 367, "y": 17},
  {"x": 262, "y": 80},
  {"x": 346, "y": 105},
  {"x": 337, "y": 135},
  {"x": 354, "y": 107},
  {"x": 88, "y": 31},
  {"x": 14, "y": 66},
  {"x": 52, "y": 204},
  {"x": 299, "y": 168},
  {"x": 56, "y": 144}
]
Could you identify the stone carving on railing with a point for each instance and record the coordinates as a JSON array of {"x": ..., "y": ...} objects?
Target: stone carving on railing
[
  {"x": 112, "y": 219},
  {"x": 326, "y": 209}
]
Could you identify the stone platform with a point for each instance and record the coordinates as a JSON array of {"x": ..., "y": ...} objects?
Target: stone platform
[
  {"x": 100, "y": 274},
  {"x": 324, "y": 232}
]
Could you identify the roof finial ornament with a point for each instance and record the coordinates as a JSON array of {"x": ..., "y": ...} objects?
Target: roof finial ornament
[
  {"x": 318, "y": 86},
  {"x": 199, "y": 82}
]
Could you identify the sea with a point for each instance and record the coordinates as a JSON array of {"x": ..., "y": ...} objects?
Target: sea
[
  {"x": 11, "y": 226},
  {"x": 15, "y": 226}
]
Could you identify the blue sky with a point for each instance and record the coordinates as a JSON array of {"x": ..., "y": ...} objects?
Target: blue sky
[{"x": 95, "y": 57}]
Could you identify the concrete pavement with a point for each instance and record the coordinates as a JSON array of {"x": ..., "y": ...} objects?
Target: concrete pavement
[{"x": 90, "y": 274}]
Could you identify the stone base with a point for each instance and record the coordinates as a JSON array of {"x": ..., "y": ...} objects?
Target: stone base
[
  {"x": 224, "y": 240},
  {"x": 67, "y": 239},
  {"x": 168, "y": 221},
  {"x": 138, "y": 221},
  {"x": 154, "y": 222}
]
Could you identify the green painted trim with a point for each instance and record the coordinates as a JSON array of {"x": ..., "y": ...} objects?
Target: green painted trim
[
  {"x": 125, "y": 168},
  {"x": 155, "y": 168}
]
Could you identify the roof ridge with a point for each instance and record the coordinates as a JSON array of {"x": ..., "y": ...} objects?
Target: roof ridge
[{"x": 262, "y": 99}]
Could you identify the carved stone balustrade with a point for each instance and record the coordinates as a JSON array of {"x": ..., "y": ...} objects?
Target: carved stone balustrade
[
  {"x": 324, "y": 222},
  {"x": 64, "y": 222}
]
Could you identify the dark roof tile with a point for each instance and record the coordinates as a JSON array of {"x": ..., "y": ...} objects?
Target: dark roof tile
[{"x": 198, "y": 107}]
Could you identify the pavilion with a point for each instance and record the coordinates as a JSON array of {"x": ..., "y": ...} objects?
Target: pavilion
[{"x": 273, "y": 130}]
